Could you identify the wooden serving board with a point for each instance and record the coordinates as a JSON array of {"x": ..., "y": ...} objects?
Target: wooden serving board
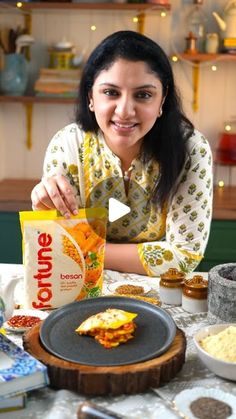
[{"x": 98, "y": 381}]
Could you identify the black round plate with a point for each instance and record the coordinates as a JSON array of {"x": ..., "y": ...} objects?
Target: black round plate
[{"x": 154, "y": 334}]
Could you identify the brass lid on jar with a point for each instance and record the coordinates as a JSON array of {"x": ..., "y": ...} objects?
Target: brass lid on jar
[
  {"x": 172, "y": 278},
  {"x": 196, "y": 287}
]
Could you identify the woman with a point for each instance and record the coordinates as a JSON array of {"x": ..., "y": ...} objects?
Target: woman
[{"x": 130, "y": 127}]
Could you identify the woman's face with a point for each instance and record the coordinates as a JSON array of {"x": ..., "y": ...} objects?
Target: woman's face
[{"x": 126, "y": 100}]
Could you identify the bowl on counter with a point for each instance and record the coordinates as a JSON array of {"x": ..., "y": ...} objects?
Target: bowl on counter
[{"x": 222, "y": 368}]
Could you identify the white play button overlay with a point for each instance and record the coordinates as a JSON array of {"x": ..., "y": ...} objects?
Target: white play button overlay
[
  {"x": 116, "y": 210},
  {"x": 125, "y": 219}
]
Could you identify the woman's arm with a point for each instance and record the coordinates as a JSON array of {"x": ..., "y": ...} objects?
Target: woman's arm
[
  {"x": 123, "y": 258},
  {"x": 188, "y": 216}
]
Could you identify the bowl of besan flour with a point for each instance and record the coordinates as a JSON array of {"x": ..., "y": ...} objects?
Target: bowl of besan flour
[{"x": 216, "y": 347}]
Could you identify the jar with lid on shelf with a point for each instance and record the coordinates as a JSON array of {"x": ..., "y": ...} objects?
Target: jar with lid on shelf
[
  {"x": 212, "y": 43},
  {"x": 194, "y": 299},
  {"x": 61, "y": 55},
  {"x": 171, "y": 285}
]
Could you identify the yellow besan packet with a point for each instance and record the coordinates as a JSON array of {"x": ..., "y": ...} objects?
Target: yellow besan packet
[{"x": 63, "y": 258}]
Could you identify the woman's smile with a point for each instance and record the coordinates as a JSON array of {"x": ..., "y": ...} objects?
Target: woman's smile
[{"x": 124, "y": 127}]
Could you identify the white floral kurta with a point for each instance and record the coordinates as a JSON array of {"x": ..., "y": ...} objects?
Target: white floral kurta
[{"x": 174, "y": 237}]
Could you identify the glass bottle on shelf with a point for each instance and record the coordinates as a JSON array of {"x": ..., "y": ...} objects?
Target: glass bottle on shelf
[{"x": 196, "y": 24}]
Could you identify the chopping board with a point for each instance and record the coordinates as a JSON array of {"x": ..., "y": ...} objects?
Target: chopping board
[{"x": 112, "y": 380}]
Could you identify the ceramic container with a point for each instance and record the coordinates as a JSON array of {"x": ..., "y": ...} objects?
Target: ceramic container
[
  {"x": 219, "y": 367},
  {"x": 14, "y": 75},
  {"x": 194, "y": 299},
  {"x": 212, "y": 43},
  {"x": 171, "y": 285}
]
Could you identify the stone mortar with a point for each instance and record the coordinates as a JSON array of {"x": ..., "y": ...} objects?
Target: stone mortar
[{"x": 222, "y": 294}]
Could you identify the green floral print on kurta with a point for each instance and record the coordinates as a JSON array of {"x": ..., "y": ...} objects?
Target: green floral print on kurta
[{"x": 174, "y": 237}]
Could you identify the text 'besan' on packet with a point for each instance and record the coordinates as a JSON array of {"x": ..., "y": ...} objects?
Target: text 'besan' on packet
[{"x": 63, "y": 258}]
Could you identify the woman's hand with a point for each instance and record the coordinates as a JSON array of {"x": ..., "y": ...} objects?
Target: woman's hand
[{"x": 54, "y": 192}]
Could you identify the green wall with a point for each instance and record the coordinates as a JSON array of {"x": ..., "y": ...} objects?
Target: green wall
[
  {"x": 221, "y": 247},
  {"x": 10, "y": 242}
]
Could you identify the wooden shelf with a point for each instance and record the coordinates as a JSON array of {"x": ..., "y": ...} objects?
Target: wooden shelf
[
  {"x": 94, "y": 6},
  {"x": 199, "y": 58},
  {"x": 37, "y": 99}
]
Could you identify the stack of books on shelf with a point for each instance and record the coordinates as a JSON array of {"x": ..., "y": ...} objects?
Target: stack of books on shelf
[
  {"x": 229, "y": 45},
  {"x": 57, "y": 82},
  {"x": 19, "y": 373}
]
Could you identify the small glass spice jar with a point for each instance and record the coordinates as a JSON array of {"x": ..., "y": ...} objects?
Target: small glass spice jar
[
  {"x": 194, "y": 299},
  {"x": 170, "y": 288}
]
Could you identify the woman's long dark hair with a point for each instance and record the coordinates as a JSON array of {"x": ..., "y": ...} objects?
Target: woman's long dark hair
[{"x": 166, "y": 142}]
